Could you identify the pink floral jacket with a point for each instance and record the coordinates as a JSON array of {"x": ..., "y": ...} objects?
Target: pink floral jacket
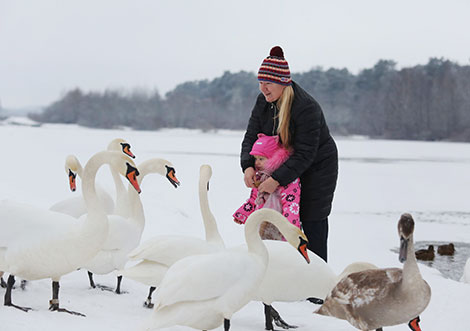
[{"x": 290, "y": 199}]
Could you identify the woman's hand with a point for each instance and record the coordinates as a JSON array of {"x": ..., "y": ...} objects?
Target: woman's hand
[
  {"x": 250, "y": 177},
  {"x": 269, "y": 185}
]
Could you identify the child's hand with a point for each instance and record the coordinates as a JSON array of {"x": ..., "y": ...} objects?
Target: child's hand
[
  {"x": 237, "y": 221},
  {"x": 250, "y": 177}
]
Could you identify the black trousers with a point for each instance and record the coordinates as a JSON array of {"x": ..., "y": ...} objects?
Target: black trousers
[{"x": 317, "y": 235}]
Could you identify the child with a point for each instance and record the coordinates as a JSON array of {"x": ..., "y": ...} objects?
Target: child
[{"x": 269, "y": 155}]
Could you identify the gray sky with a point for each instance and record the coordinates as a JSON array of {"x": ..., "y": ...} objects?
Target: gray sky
[{"x": 50, "y": 46}]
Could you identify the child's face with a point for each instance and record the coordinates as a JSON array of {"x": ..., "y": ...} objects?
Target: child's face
[{"x": 260, "y": 161}]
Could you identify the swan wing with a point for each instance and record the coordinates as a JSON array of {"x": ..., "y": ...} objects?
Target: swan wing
[
  {"x": 25, "y": 225},
  {"x": 169, "y": 249},
  {"x": 360, "y": 289},
  {"x": 289, "y": 278},
  {"x": 210, "y": 276},
  {"x": 74, "y": 207},
  {"x": 106, "y": 200},
  {"x": 146, "y": 272},
  {"x": 122, "y": 234}
]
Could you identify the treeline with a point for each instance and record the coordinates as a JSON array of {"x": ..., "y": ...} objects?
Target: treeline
[{"x": 424, "y": 102}]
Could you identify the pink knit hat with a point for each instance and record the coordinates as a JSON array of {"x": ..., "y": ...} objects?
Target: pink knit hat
[{"x": 265, "y": 145}]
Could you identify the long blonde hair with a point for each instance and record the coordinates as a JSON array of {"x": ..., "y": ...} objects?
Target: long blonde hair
[{"x": 284, "y": 104}]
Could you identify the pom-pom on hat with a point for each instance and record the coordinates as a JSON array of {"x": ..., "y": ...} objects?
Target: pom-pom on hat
[
  {"x": 275, "y": 68},
  {"x": 265, "y": 145}
]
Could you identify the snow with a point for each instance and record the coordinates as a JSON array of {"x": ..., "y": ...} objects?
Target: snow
[{"x": 379, "y": 180}]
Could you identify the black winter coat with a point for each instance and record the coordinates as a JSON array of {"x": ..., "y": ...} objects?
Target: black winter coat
[{"x": 315, "y": 157}]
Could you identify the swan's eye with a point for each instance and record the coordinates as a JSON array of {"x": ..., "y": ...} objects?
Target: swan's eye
[{"x": 72, "y": 174}]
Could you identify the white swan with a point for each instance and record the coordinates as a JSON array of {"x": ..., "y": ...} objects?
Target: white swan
[
  {"x": 124, "y": 233},
  {"x": 372, "y": 299},
  {"x": 76, "y": 206},
  {"x": 466, "y": 273},
  {"x": 157, "y": 254},
  {"x": 204, "y": 291},
  {"x": 288, "y": 278},
  {"x": 38, "y": 244}
]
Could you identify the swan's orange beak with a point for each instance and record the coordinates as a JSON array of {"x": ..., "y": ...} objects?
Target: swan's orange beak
[
  {"x": 72, "y": 181},
  {"x": 170, "y": 175},
  {"x": 126, "y": 149},
  {"x": 131, "y": 176},
  {"x": 303, "y": 249}
]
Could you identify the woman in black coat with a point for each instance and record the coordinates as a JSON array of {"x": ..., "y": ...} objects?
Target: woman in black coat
[{"x": 284, "y": 108}]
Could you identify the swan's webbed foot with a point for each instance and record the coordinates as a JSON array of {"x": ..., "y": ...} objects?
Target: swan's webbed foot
[
  {"x": 270, "y": 315},
  {"x": 54, "y": 306},
  {"x": 268, "y": 319},
  {"x": 316, "y": 301},
  {"x": 25, "y": 309},
  {"x": 104, "y": 288},
  {"x": 7, "y": 298},
  {"x": 54, "y": 302},
  {"x": 148, "y": 303},
  {"x": 279, "y": 321},
  {"x": 109, "y": 289},
  {"x": 226, "y": 324}
]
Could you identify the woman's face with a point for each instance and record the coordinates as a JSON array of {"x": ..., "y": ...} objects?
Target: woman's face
[{"x": 271, "y": 91}]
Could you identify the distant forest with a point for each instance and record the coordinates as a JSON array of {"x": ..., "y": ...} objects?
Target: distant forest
[{"x": 424, "y": 102}]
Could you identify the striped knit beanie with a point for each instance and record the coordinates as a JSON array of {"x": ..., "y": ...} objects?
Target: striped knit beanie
[{"x": 275, "y": 68}]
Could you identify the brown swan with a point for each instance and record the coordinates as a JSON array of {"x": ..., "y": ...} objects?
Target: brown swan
[{"x": 372, "y": 299}]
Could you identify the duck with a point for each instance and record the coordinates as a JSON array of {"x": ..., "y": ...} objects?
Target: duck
[
  {"x": 39, "y": 243},
  {"x": 76, "y": 206},
  {"x": 372, "y": 299},
  {"x": 447, "y": 249},
  {"x": 157, "y": 254},
  {"x": 124, "y": 233},
  {"x": 425, "y": 254},
  {"x": 466, "y": 273},
  {"x": 212, "y": 287}
]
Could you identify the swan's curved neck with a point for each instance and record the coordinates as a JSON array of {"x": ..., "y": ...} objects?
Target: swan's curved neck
[
  {"x": 88, "y": 182},
  {"x": 121, "y": 194},
  {"x": 210, "y": 224},
  {"x": 79, "y": 171},
  {"x": 135, "y": 210},
  {"x": 410, "y": 267},
  {"x": 134, "y": 204}
]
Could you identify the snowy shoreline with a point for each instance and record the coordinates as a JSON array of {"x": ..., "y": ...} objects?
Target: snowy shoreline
[{"x": 378, "y": 181}]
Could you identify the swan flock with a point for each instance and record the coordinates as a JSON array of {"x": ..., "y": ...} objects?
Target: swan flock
[{"x": 199, "y": 283}]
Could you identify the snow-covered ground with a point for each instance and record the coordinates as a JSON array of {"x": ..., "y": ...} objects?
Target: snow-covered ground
[{"x": 379, "y": 180}]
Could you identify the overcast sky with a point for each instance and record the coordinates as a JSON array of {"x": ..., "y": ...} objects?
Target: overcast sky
[{"x": 48, "y": 47}]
